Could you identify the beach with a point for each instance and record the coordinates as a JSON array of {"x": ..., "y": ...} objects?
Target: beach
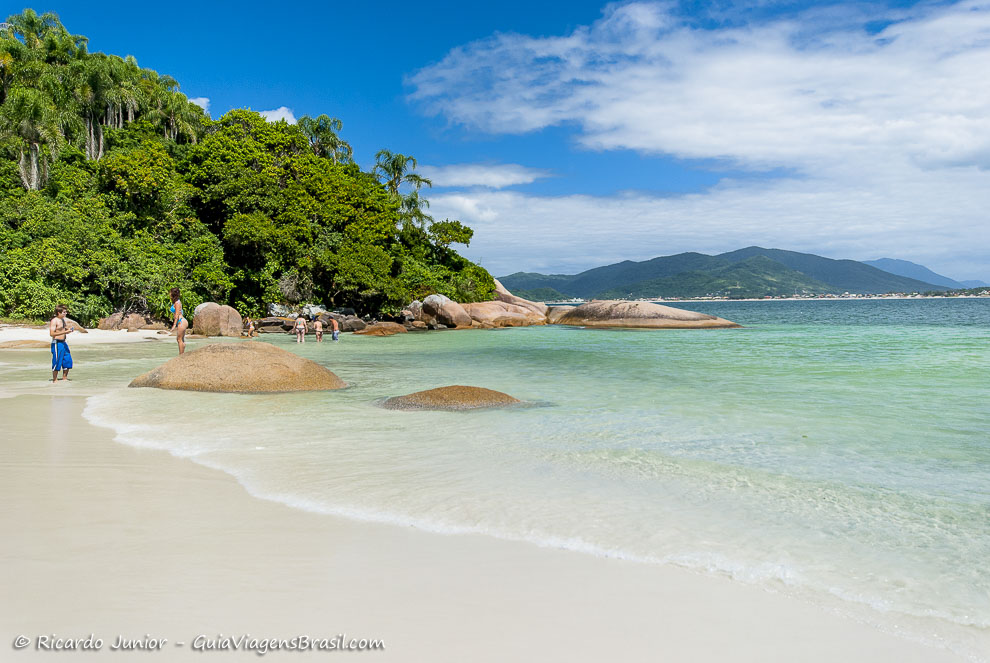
[
  {"x": 129, "y": 541},
  {"x": 115, "y": 541}
]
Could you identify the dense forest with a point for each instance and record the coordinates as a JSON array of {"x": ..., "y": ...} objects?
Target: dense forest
[{"x": 114, "y": 187}]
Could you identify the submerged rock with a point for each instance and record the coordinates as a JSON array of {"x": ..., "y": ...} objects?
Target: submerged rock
[
  {"x": 24, "y": 345},
  {"x": 455, "y": 397},
  {"x": 382, "y": 329},
  {"x": 245, "y": 367},
  {"x": 616, "y": 313}
]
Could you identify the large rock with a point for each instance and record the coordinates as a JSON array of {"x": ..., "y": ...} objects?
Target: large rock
[
  {"x": 503, "y": 295},
  {"x": 456, "y": 397},
  {"x": 78, "y": 327},
  {"x": 616, "y": 313},
  {"x": 382, "y": 329},
  {"x": 247, "y": 367},
  {"x": 502, "y": 314},
  {"x": 446, "y": 311},
  {"x": 215, "y": 320}
]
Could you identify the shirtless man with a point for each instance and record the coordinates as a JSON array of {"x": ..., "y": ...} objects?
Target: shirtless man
[
  {"x": 58, "y": 329},
  {"x": 318, "y": 326},
  {"x": 301, "y": 329},
  {"x": 335, "y": 329}
]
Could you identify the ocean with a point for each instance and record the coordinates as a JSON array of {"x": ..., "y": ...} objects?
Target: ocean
[{"x": 837, "y": 451}]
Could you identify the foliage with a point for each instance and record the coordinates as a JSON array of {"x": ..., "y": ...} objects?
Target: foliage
[{"x": 114, "y": 188}]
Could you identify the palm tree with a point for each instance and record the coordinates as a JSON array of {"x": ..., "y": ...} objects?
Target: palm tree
[
  {"x": 30, "y": 121},
  {"x": 92, "y": 86},
  {"x": 33, "y": 28},
  {"x": 411, "y": 210},
  {"x": 396, "y": 169},
  {"x": 324, "y": 139}
]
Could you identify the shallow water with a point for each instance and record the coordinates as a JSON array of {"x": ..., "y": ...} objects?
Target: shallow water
[{"x": 837, "y": 450}]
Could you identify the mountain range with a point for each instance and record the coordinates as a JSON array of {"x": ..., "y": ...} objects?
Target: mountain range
[
  {"x": 746, "y": 273},
  {"x": 921, "y": 273}
]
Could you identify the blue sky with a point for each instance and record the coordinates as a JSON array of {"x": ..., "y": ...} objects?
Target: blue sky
[{"x": 575, "y": 134}]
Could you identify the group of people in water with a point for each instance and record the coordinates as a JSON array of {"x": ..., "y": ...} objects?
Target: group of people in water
[
  {"x": 301, "y": 328},
  {"x": 59, "y": 328}
]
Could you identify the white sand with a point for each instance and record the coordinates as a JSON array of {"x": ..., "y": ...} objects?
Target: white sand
[
  {"x": 91, "y": 337},
  {"x": 111, "y": 540}
]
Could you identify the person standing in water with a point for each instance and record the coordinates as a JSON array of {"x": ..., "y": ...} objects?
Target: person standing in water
[
  {"x": 179, "y": 322},
  {"x": 335, "y": 328},
  {"x": 301, "y": 329},
  {"x": 58, "y": 329},
  {"x": 318, "y": 327}
]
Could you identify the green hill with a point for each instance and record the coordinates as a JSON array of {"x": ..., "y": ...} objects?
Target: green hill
[
  {"x": 843, "y": 275},
  {"x": 540, "y": 294},
  {"x": 754, "y": 277},
  {"x": 750, "y": 272}
]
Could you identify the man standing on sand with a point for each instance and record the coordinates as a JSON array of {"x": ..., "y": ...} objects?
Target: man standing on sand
[
  {"x": 58, "y": 329},
  {"x": 336, "y": 329}
]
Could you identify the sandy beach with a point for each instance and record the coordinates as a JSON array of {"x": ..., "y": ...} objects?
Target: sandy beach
[{"x": 114, "y": 541}]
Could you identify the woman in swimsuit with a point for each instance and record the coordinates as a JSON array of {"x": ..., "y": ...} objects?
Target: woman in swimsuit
[
  {"x": 301, "y": 329},
  {"x": 179, "y": 322}
]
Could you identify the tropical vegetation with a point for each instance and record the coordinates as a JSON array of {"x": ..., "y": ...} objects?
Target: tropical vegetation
[{"x": 114, "y": 187}]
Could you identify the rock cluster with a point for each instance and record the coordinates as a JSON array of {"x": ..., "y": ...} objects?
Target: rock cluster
[
  {"x": 131, "y": 322},
  {"x": 455, "y": 397},
  {"x": 248, "y": 367}
]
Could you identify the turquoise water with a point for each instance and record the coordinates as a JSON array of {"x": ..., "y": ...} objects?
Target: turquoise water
[{"x": 835, "y": 450}]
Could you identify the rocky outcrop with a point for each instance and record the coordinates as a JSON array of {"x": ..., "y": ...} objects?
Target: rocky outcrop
[
  {"x": 503, "y": 295},
  {"x": 346, "y": 323},
  {"x": 212, "y": 319},
  {"x": 446, "y": 311},
  {"x": 502, "y": 314},
  {"x": 247, "y": 367},
  {"x": 555, "y": 313},
  {"x": 382, "y": 329},
  {"x": 456, "y": 397},
  {"x": 614, "y": 313}
]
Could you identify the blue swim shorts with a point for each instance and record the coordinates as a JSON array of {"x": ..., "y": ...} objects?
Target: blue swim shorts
[{"x": 61, "y": 357}]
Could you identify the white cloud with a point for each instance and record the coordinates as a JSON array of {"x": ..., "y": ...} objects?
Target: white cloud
[
  {"x": 280, "y": 113},
  {"x": 494, "y": 176},
  {"x": 888, "y": 133},
  {"x": 202, "y": 102},
  {"x": 903, "y": 218}
]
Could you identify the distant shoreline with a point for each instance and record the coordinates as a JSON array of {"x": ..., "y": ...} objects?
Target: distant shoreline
[{"x": 776, "y": 299}]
